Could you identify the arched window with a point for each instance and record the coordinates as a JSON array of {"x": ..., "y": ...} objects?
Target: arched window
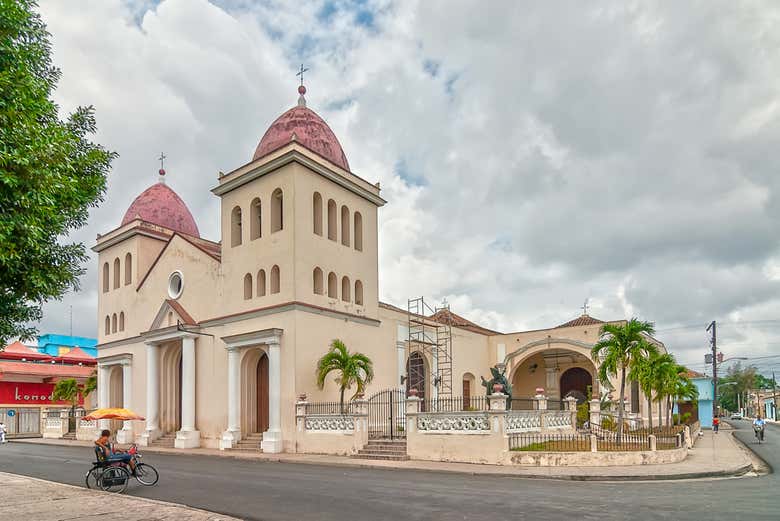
[
  {"x": 113, "y": 323},
  {"x": 468, "y": 388},
  {"x": 116, "y": 273},
  {"x": 261, "y": 283},
  {"x": 333, "y": 282},
  {"x": 345, "y": 226},
  {"x": 345, "y": 289},
  {"x": 332, "y": 232},
  {"x": 256, "y": 219},
  {"x": 317, "y": 281},
  {"x": 275, "y": 279},
  {"x": 317, "y": 212},
  {"x": 358, "y": 293},
  {"x": 128, "y": 269},
  {"x": 358, "y": 231},
  {"x": 108, "y": 322},
  {"x": 277, "y": 210},
  {"x": 247, "y": 286},
  {"x": 105, "y": 277},
  {"x": 235, "y": 226},
  {"x": 121, "y": 321}
]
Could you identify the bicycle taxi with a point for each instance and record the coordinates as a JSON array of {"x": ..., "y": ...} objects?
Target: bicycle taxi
[{"x": 113, "y": 475}]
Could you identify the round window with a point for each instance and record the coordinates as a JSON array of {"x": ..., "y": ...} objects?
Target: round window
[{"x": 175, "y": 285}]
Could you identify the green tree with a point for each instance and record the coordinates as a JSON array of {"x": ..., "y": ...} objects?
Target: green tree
[
  {"x": 50, "y": 174},
  {"x": 684, "y": 390},
  {"x": 619, "y": 347},
  {"x": 69, "y": 390},
  {"x": 352, "y": 368},
  {"x": 646, "y": 372}
]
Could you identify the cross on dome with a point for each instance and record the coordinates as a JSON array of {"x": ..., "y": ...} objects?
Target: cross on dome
[{"x": 301, "y": 87}]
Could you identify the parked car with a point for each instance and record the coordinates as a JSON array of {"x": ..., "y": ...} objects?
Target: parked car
[{"x": 736, "y": 416}]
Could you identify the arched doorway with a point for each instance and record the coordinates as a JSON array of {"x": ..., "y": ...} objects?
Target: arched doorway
[
  {"x": 575, "y": 382},
  {"x": 170, "y": 389},
  {"x": 416, "y": 375},
  {"x": 262, "y": 393},
  {"x": 115, "y": 394},
  {"x": 255, "y": 405}
]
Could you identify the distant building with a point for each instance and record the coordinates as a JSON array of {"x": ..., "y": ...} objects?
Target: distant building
[
  {"x": 58, "y": 345},
  {"x": 703, "y": 408},
  {"x": 27, "y": 379}
]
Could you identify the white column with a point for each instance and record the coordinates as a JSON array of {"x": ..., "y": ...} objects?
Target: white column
[
  {"x": 125, "y": 435},
  {"x": 187, "y": 437},
  {"x": 272, "y": 438},
  {"x": 152, "y": 396},
  {"x": 103, "y": 383},
  {"x": 233, "y": 433}
]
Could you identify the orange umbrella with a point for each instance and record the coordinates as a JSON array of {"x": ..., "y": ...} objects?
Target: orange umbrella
[{"x": 113, "y": 413}]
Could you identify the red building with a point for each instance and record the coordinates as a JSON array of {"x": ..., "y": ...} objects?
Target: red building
[{"x": 27, "y": 380}]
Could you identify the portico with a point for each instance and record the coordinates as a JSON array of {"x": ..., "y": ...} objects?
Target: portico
[
  {"x": 172, "y": 387},
  {"x": 111, "y": 369},
  {"x": 242, "y": 395}
]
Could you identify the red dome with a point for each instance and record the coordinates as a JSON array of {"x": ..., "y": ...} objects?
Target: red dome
[
  {"x": 310, "y": 131},
  {"x": 160, "y": 205}
]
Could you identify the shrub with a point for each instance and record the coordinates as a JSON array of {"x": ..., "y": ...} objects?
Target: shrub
[{"x": 583, "y": 414}]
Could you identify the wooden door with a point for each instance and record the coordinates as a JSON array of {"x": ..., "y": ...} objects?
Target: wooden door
[{"x": 262, "y": 394}]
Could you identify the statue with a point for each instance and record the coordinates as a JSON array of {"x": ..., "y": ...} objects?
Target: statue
[{"x": 499, "y": 378}]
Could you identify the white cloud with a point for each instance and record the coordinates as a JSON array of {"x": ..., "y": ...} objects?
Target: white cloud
[{"x": 532, "y": 156}]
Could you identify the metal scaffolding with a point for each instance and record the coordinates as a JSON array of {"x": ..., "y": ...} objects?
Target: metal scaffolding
[{"x": 432, "y": 339}]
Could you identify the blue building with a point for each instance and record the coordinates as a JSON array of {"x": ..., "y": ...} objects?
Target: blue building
[
  {"x": 59, "y": 345},
  {"x": 703, "y": 410}
]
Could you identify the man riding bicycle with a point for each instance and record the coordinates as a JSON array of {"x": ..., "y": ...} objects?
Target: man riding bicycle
[
  {"x": 112, "y": 454},
  {"x": 758, "y": 427}
]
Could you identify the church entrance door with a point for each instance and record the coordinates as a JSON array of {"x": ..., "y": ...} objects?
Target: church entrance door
[
  {"x": 262, "y": 394},
  {"x": 575, "y": 382},
  {"x": 415, "y": 370}
]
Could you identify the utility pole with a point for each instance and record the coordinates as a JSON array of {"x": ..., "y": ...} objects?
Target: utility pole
[
  {"x": 774, "y": 396},
  {"x": 714, "y": 342}
]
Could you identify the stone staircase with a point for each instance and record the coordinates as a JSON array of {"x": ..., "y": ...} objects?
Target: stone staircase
[
  {"x": 383, "y": 449},
  {"x": 69, "y": 436},
  {"x": 249, "y": 443},
  {"x": 166, "y": 440}
]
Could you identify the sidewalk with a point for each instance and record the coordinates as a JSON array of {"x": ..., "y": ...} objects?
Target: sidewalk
[
  {"x": 35, "y": 499},
  {"x": 712, "y": 456}
]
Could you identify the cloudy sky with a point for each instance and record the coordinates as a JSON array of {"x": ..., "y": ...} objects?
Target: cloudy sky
[{"x": 533, "y": 155}]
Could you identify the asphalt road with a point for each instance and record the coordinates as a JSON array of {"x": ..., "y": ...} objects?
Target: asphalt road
[{"x": 285, "y": 491}]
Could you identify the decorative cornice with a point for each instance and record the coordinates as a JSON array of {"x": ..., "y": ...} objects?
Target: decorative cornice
[
  {"x": 122, "y": 342},
  {"x": 291, "y": 156},
  {"x": 119, "y": 359},
  {"x": 271, "y": 336},
  {"x": 544, "y": 342},
  {"x": 284, "y": 307}
]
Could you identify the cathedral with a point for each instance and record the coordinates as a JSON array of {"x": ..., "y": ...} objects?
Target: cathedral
[{"x": 213, "y": 341}]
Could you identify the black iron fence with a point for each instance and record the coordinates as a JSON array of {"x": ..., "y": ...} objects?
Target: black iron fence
[
  {"x": 549, "y": 442},
  {"x": 330, "y": 408},
  {"x": 622, "y": 442}
]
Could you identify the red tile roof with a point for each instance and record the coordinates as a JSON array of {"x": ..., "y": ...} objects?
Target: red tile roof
[
  {"x": 17, "y": 351},
  {"x": 160, "y": 205},
  {"x": 179, "y": 309},
  {"x": 582, "y": 320},
  {"x": 77, "y": 355},
  {"x": 445, "y": 316},
  {"x": 45, "y": 370}
]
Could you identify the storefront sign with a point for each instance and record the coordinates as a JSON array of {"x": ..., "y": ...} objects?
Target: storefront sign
[{"x": 29, "y": 393}]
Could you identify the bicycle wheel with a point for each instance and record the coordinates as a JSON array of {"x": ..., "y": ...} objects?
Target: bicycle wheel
[
  {"x": 114, "y": 479},
  {"x": 92, "y": 477},
  {"x": 146, "y": 474}
]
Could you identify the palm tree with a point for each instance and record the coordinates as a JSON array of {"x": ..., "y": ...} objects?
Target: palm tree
[
  {"x": 644, "y": 372},
  {"x": 619, "y": 348},
  {"x": 684, "y": 389},
  {"x": 353, "y": 368},
  {"x": 663, "y": 382},
  {"x": 69, "y": 390}
]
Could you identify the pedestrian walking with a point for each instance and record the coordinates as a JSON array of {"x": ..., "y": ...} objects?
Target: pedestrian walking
[
  {"x": 2, "y": 432},
  {"x": 715, "y": 424}
]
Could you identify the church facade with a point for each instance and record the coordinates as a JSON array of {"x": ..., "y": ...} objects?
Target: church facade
[{"x": 213, "y": 341}]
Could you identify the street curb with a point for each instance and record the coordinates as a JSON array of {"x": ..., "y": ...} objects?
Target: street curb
[
  {"x": 753, "y": 454},
  {"x": 110, "y": 494},
  {"x": 734, "y": 472}
]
